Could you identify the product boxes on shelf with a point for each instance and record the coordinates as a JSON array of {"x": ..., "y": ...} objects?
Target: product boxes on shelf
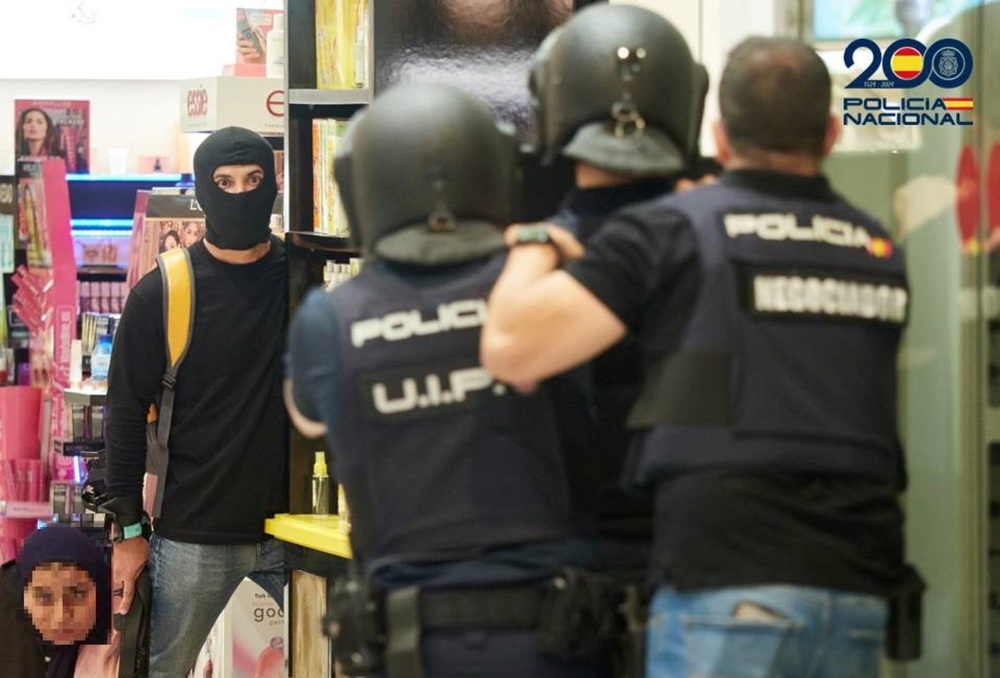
[
  {"x": 8, "y": 210},
  {"x": 46, "y": 296},
  {"x": 136, "y": 261},
  {"x": 19, "y": 412},
  {"x": 110, "y": 250},
  {"x": 247, "y": 640},
  {"x": 44, "y": 213},
  {"x": 208, "y": 104},
  {"x": 23, "y": 478},
  {"x": 342, "y": 44},
  {"x": 328, "y": 209},
  {"x": 162, "y": 221}
]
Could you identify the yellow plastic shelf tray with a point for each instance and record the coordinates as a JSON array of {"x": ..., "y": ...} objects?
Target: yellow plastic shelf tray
[{"x": 319, "y": 533}]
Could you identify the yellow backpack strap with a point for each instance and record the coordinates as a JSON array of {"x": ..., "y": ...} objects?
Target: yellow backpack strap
[
  {"x": 178, "y": 325},
  {"x": 178, "y": 303}
]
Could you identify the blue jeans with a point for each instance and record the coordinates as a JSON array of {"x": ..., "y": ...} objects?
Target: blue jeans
[
  {"x": 765, "y": 632},
  {"x": 192, "y": 583}
]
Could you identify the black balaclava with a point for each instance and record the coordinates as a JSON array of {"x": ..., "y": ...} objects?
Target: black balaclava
[{"x": 235, "y": 221}]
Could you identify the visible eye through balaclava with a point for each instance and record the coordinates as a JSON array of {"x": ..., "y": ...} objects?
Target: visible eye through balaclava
[{"x": 235, "y": 221}]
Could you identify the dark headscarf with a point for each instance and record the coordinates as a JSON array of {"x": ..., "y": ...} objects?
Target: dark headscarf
[{"x": 59, "y": 544}]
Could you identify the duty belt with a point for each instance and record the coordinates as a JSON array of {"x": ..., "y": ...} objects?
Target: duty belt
[
  {"x": 509, "y": 608},
  {"x": 409, "y": 612},
  {"x": 572, "y": 615}
]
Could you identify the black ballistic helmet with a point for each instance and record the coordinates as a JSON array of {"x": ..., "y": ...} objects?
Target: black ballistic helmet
[
  {"x": 427, "y": 176},
  {"x": 614, "y": 87}
]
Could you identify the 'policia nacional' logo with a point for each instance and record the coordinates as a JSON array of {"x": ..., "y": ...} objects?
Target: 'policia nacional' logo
[
  {"x": 412, "y": 393},
  {"x": 418, "y": 391},
  {"x": 777, "y": 226},
  {"x": 949, "y": 64},
  {"x": 908, "y": 63}
]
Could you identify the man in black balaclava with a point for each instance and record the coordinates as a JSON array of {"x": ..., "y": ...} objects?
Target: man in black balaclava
[
  {"x": 229, "y": 166},
  {"x": 227, "y": 462}
]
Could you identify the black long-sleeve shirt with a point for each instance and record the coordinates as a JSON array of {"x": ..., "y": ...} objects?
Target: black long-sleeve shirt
[{"x": 228, "y": 462}]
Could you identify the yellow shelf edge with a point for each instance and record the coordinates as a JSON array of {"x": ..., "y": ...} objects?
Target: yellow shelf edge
[{"x": 319, "y": 533}]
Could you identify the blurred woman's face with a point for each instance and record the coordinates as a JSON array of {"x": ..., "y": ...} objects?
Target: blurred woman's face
[
  {"x": 192, "y": 233},
  {"x": 61, "y": 600},
  {"x": 35, "y": 126}
]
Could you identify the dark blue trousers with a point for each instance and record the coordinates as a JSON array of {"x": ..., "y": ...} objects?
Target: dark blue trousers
[{"x": 497, "y": 654}]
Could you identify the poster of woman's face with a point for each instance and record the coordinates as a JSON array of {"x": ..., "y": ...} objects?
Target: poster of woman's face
[{"x": 53, "y": 128}]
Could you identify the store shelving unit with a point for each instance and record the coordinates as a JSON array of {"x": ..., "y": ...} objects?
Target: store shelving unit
[{"x": 308, "y": 251}]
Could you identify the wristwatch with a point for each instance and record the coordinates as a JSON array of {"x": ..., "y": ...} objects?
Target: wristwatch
[{"x": 536, "y": 235}]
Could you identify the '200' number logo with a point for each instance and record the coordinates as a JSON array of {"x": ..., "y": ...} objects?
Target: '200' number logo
[{"x": 908, "y": 63}]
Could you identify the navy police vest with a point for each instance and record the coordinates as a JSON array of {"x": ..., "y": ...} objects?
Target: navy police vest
[
  {"x": 788, "y": 362},
  {"x": 437, "y": 458}
]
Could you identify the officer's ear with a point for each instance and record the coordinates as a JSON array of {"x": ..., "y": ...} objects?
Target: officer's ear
[
  {"x": 833, "y": 129},
  {"x": 723, "y": 149}
]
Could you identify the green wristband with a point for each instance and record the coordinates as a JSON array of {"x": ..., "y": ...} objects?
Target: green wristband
[{"x": 134, "y": 530}]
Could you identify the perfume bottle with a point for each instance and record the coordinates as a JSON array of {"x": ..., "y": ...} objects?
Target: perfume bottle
[
  {"x": 275, "y": 50},
  {"x": 320, "y": 486},
  {"x": 100, "y": 358}
]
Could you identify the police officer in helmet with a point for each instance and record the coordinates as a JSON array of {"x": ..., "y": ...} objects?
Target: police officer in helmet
[
  {"x": 461, "y": 516},
  {"x": 770, "y": 312},
  {"x": 616, "y": 91},
  {"x": 613, "y": 89}
]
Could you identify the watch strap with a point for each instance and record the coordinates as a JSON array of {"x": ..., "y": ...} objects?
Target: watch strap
[
  {"x": 537, "y": 235},
  {"x": 120, "y": 533},
  {"x": 133, "y": 530}
]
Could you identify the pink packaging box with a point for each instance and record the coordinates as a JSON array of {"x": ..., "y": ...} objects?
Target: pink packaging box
[{"x": 19, "y": 417}]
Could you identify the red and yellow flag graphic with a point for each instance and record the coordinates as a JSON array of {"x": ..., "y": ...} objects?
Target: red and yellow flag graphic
[
  {"x": 907, "y": 63},
  {"x": 880, "y": 248},
  {"x": 958, "y": 103}
]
